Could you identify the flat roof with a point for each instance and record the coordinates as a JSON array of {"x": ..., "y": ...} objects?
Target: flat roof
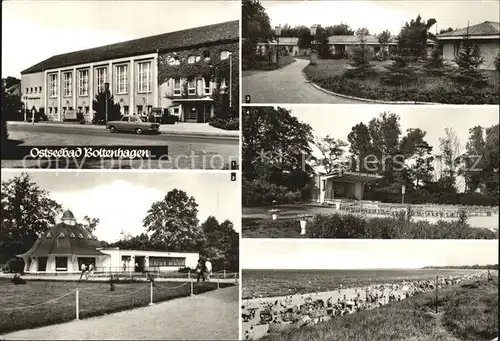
[
  {"x": 352, "y": 176},
  {"x": 198, "y": 36}
]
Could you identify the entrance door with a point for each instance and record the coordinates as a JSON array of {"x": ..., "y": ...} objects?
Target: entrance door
[
  {"x": 85, "y": 260},
  {"x": 42, "y": 263},
  {"x": 192, "y": 114},
  {"x": 139, "y": 263}
]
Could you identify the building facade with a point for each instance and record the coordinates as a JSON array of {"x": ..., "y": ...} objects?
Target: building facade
[
  {"x": 485, "y": 35},
  {"x": 142, "y": 74}
]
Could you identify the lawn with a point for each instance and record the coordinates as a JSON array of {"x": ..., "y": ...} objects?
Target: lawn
[
  {"x": 465, "y": 312},
  {"x": 408, "y": 84},
  {"x": 95, "y": 298}
]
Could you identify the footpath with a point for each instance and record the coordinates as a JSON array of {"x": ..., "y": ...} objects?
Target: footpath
[{"x": 184, "y": 129}]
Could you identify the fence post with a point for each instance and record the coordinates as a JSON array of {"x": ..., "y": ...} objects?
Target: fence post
[
  {"x": 192, "y": 293},
  {"x": 158, "y": 272},
  {"x": 77, "y": 304},
  {"x": 189, "y": 274},
  {"x": 224, "y": 273},
  {"x": 218, "y": 279},
  {"x": 437, "y": 278},
  {"x": 151, "y": 294}
]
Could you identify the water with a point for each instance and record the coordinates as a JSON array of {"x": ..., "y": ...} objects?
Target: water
[{"x": 269, "y": 283}]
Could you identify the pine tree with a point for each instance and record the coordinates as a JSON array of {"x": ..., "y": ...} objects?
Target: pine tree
[
  {"x": 99, "y": 107},
  {"x": 468, "y": 60}
]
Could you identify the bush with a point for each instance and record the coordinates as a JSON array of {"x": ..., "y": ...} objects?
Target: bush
[
  {"x": 497, "y": 61},
  {"x": 14, "y": 265},
  {"x": 259, "y": 192},
  {"x": 18, "y": 280},
  {"x": 230, "y": 124},
  {"x": 185, "y": 270},
  {"x": 337, "y": 226}
]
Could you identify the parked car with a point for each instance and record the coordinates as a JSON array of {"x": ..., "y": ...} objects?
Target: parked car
[{"x": 133, "y": 123}]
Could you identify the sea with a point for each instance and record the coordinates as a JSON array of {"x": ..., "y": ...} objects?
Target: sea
[{"x": 270, "y": 283}]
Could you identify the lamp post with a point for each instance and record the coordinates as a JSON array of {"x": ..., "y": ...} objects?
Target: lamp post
[
  {"x": 314, "y": 56},
  {"x": 403, "y": 190},
  {"x": 278, "y": 34},
  {"x": 230, "y": 78},
  {"x": 106, "y": 90}
]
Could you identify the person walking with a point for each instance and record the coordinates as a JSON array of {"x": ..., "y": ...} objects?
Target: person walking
[
  {"x": 91, "y": 271},
  {"x": 200, "y": 273},
  {"x": 83, "y": 268},
  {"x": 208, "y": 267}
]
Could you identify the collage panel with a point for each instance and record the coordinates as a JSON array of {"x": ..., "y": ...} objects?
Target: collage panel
[
  {"x": 369, "y": 290},
  {"x": 369, "y": 52},
  {"x": 119, "y": 255},
  {"x": 370, "y": 172},
  {"x": 155, "y": 93}
]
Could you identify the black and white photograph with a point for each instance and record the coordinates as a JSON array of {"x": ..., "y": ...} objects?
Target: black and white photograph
[
  {"x": 129, "y": 74},
  {"x": 369, "y": 290},
  {"x": 355, "y": 52},
  {"x": 93, "y": 255},
  {"x": 370, "y": 172}
]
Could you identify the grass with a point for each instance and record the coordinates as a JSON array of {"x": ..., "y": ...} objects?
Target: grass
[
  {"x": 464, "y": 313},
  {"x": 423, "y": 86},
  {"x": 95, "y": 299}
]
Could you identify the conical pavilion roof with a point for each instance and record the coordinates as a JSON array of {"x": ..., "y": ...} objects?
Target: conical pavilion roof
[{"x": 64, "y": 239}]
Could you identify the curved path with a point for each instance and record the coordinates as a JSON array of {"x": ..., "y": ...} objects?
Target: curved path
[
  {"x": 287, "y": 85},
  {"x": 209, "y": 316}
]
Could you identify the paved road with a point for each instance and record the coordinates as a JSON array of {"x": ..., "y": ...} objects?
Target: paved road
[
  {"x": 208, "y": 316},
  {"x": 287, "y": 85},
  {"x": 201, "y": 152}
]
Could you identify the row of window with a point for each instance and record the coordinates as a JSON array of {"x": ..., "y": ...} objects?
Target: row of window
[
  {"x": 191, "y": 85},
  {"x": 191, "y": 59},
  {"x": 167, "y": 261},
  {"x": 72, "y": 235},
  {"x": 34, "y": 90},
  {"x": 121, "y": 80}
]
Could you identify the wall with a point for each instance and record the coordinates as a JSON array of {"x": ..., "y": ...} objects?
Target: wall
[
  {"x": 488, "y": 48},
  {"x": 115, "y": 259},
  {"x": 31, "y": 81}
]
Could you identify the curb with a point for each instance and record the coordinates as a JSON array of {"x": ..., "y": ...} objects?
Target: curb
[
  {"x": 371, "y": 100},
  {"x": 102, "y": 128}
]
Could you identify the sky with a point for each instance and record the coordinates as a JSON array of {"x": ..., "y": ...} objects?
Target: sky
[
  {"x": 121, "y": 199},
  {"x": 302, "y": 254},
  {"x": 35, "y": 30},
  {"x": 379, "y": 15}
]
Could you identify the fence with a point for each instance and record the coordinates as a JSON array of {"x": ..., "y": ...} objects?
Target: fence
[{"x": 153, "y": 287}]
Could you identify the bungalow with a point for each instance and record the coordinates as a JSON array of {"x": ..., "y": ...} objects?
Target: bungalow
[
  {"x": 341, "y": 184},
  {"x": 486, "y": 35},
  {"x": 288, "y": 44},
  {"x": 342, "y": 45}
]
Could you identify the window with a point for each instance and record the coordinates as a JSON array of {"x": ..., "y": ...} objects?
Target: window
[
  {"x": 61, "y": 263},
  {"x": 55, "y": 110},
  {"x": 31, "y": 90},
  {"x": 207, "y": 88},
  {"x": 89, "y": 237},
  {"x": 191, "y": 86},
  {"x": 124, "y": 119},
  {"x": 191, "y": 59},
  {"x": 145, "y": 77},
  {"x": 125, "y": 110},
  {"x": 80, "y": 236},
  {"x": 139, "y": 110},
  {"x": 49, "y": 235},
  {"x": 223, "y": 84},
  {"x": 173, "y": 60},
  {"x": 206, "y": 55},
  {"x": 72, "y": 235},
  {"x": 40, "y": 89},
  {"x": 83, "y": 82},
  {"x": 121, "y": 79},
  {"x": 102, "y": 77},
  {"x": 167, "y": 261},
  {"x": 27, "y": 90},
  {"x": 52, "y": 86},
  {"x": 224, "y": 55},
  {"x": 456, "y": 48},
  {"x": 61, "y": 235},
  {"x": 68, "y": 84},
  {"x": 177, "y": 87},
  {"x": 176, "y": 111},
  {"x": 50, "y": 110}
]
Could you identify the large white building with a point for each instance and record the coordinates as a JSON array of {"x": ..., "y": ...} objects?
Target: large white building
[{"x": 145, "y": 73}]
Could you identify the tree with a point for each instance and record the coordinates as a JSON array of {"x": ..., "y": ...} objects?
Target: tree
[
  {"x": 469, "y": 59},
  {"x": 497, "y": 61},
  {"x": 360, "y": 58},
  {"x": 173, "y": 221},
  {"x": 321, "y": 38},
  {"x": 384, "y": 38},
  {"x": 256, "y": 27},
  {"x": 449, "y": 29},
  {"x": 90, "y": 223},
  {"x": 99, "y": 106},
  {"x": 412, "y": 39},
  {"x": 27, "y": 211},
  {"x": 360, "y": 147},
  {"x": 435, "y": 60},
  {"x": 218, "y": 245},
  {"x": 340, "y": 30},
  {"x": 450, "y": 158},
  {"x": 332, "y": 151}
]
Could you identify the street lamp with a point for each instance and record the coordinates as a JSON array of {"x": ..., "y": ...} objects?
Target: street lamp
[
  {"x": 314, "y": 55},
  {"x": 278, "y": 34},
  {"x": 403, "y": 190},
  {"x": 106, "y": 90},
  {"x": 230, "y": 77}
]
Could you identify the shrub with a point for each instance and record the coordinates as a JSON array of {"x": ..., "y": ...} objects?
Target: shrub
[
  {"x": 229, "y": 124},
  {"x": 260, "y": 192},
  {"x": 185, "y": 269},
  {"x": 337, "y": 226},
  {"x": 18, "y": 280},
  {"x": 14, "y": 265},
  {"x": 497, "y": 61}
]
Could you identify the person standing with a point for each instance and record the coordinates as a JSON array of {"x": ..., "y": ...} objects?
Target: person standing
[
  {"x": 91, "y": 270},
  {"x": 208, "y": 267},
  {"x": 83, "y": 268},
  {"x": 200, "y": 271}
]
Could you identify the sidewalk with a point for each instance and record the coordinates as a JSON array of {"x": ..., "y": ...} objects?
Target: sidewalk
[{"x": 198, "y": 129}]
